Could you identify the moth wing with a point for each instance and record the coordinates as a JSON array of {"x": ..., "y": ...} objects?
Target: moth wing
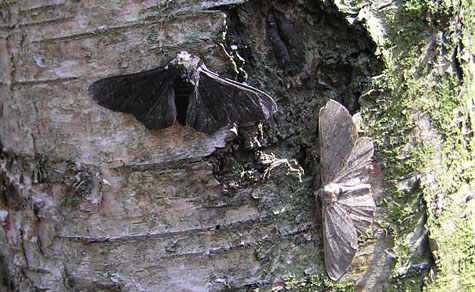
[
  {"x": 340, "y": 240},
  {"x": 148, "y": 95},
  {"x": 337, "y": 138},
  {"x": 358, "y": 164},
  {"x": 217, "y": 102},
  {"x": 359, "y": 206}
]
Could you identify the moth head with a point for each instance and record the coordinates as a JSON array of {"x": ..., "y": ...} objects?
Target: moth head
[
  {"x": 187, "y": 66},
  {"x": 184, "y": 55}
]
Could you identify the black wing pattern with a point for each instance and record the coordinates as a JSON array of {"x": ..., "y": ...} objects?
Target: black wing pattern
[
  {"x": 208, "y": 101},
  {"x": 348, "y": 208},
  {"x": 220, "y": 101},
  {"x": 148, "y": 95}
]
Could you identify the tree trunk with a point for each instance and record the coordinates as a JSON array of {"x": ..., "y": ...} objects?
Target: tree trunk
[{"x": 91, "y": 200}]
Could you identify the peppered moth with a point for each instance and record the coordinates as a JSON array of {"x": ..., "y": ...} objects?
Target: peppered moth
[
  {"x": 184, "y": 90},
  {"x": 347, "y": 204}
]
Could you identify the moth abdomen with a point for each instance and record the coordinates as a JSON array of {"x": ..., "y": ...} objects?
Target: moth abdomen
[{"x": 182, "y": 89}]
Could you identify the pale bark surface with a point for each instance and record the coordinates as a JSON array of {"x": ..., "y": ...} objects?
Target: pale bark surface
[{"x": 91, "y": 200}]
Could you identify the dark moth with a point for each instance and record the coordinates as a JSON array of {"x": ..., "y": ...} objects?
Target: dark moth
[
  {"x": 347, "y": 204},
  {"x": 184, "y": 90}
]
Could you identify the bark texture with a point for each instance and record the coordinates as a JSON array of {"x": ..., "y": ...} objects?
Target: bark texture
[{"x": 91, "y": 200}]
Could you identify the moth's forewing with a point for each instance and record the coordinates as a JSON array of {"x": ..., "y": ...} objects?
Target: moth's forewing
[
  {"x": 268, "y": 104},
  {"x": 337, "y": 138},
  {"x": 340, "y": 240},
  {"x": 162, "y": 113},
  {"x": 218, "y": 102},
  {"x": 146, "y": 95},
  {"x": 358, "y": 163},
  {"x": 359, "y": 206},
  {"x": 128, "y": 93}
]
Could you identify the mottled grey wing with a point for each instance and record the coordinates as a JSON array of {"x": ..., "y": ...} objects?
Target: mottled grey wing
[
  {"x": 359, "y": 206},
  {"x": 358, "y": 164},
  {"x": 345, "y": 161},
  {"x": 340, "y": 240},
  {"x": 337, "y": 139},
  {"x": 356, "y": 197},
  {"x": 148, "y": 95},
  {"x": 217, "y": 102}
]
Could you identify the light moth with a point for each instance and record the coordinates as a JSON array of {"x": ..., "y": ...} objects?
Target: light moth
[{"x": 347, "y": 204}]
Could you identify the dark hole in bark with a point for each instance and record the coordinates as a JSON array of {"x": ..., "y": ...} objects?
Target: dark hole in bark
[
  {"x": 5, "y": 281},
  {"x": 10, "y": 196}
]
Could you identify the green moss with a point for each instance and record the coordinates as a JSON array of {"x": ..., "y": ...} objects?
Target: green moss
[
  {"x": 319, "y": 283},
  {"x": 316, "y": 282},
  {"x": 420, "y": 87},
  {"x": 419, "y": 122}
]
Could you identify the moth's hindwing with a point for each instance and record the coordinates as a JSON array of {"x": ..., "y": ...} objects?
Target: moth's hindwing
[
  {"x": 340, "y": 240},
  {"x": 219, "y": 101},
  {"x": 359, "y": 207},
  {"x": 358, "y": 165}
]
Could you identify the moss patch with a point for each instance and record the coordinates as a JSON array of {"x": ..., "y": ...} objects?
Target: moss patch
[{"x": 421, "y": 124}]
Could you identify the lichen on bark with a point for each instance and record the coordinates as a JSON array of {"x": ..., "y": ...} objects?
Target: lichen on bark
[{"x": 421, "y": 119}]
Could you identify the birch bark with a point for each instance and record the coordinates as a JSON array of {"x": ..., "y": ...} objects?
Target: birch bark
[{"x": 91, "y": 200}]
